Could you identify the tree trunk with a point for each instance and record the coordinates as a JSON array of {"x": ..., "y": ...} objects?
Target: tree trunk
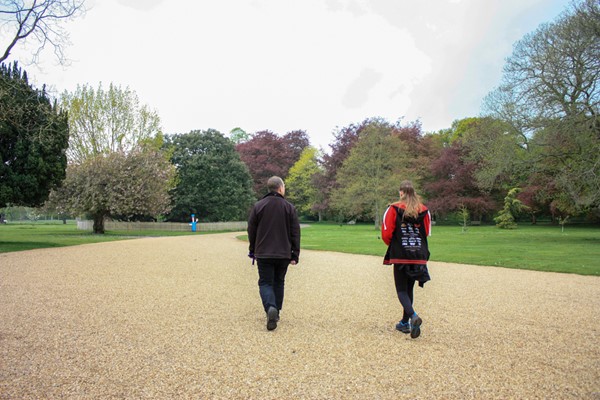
[
  {"x": 377, "y": 218},
  {"x": 99, "y": 224}
]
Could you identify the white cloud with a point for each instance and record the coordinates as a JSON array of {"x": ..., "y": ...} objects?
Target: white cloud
[
  {"x": 285, "y": 64},
  {"x": 140, "y": 4}
]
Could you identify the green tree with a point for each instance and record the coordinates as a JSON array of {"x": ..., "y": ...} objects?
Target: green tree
[
  {"x": 118, "y": 184},
  {"x": 300, "y": 187},
  {"x": 369, "y": 177},
  {"x": 238, "y": 135},
  {"x": 550, "y": 94},
  {"x": 506, "y": 219},
  {"x": 112, "y": 127},
  {"x": 460, "y": 127},
  {"x": 33, "y": 140},
  {"x": 105, "y": 121},
  {"x": 213, "y": 182},
  {"x": 497, "y": 150}
]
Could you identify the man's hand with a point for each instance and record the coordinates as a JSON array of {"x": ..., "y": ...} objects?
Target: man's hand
[
  {"x": 251, "y": 255},
  {"x": 293, "y": 262}
]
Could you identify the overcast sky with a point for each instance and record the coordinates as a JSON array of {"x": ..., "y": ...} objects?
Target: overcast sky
[{"x": 284, "y": 65}]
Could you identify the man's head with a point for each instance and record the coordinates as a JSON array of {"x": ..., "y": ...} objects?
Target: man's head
[{"x": 275, "y": 184}]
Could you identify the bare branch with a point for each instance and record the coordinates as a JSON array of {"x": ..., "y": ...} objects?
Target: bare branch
[{"x": 37, "y": 21}]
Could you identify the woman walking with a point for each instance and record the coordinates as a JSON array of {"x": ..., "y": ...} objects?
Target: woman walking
[{"x": 406, "y": 225}]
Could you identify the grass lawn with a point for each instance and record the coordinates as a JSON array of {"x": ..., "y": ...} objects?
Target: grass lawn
[
  {"x": 28, "y": 236},
  {"x": 541, "y": 247}
]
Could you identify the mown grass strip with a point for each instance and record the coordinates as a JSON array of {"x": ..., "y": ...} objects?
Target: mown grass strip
[{"x": 541, "y": 248}]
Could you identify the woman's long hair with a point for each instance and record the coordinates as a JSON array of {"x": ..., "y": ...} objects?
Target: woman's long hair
[{"x": 411, "y": 200}]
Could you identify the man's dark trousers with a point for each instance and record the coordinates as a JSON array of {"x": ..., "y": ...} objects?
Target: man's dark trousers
[{"x": 271, "y": 281}]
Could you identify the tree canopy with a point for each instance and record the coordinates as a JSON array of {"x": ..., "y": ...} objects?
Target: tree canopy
[
  {"x": 116, "y": 167},
  {"x": 33, "y": 140},
  {"x": 550, "y": 96},
  {"x": 344, "y": 139},
  {"x": 117, "y": 184},
  {"x": 105, "y": 121},
  {"x": 300, "y": 184},
  {"x": 539, "y": 134},
  {"x": 267, "y": 154},
  {"x": 238, "y": 135},
  {"x": 453, "y": 185},
  {"x": 213, "y": 182},
  {"x": 370, "y": 176}
]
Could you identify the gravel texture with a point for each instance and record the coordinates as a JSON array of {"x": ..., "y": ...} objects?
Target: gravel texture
[{"x": 181, "y": 317}]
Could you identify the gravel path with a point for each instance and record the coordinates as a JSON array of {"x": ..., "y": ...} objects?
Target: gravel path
[{"x": 181, "y": 318}]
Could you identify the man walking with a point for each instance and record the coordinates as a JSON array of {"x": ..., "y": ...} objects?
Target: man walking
[{"x": 274, "y": 235}]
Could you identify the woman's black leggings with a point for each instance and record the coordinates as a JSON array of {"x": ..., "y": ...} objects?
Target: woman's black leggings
[{"x": 404, "y": 289}]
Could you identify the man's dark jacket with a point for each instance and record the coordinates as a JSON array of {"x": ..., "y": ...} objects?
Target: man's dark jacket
[{"x": 273, "y": 228}]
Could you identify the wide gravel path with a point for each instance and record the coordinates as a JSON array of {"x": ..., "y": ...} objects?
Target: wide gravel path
[{"x": 181, "y": 318}]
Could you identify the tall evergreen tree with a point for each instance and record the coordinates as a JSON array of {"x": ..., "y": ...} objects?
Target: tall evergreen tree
[
  {"x": 34, "y": 136},
  {"x": 214, "y": 184}
]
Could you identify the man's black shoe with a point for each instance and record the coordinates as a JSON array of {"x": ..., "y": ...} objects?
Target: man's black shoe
[{"x": 272, "y": 318}]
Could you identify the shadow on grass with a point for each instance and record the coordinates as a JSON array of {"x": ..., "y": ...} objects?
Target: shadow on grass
[{"x": 27, "y": 245}]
